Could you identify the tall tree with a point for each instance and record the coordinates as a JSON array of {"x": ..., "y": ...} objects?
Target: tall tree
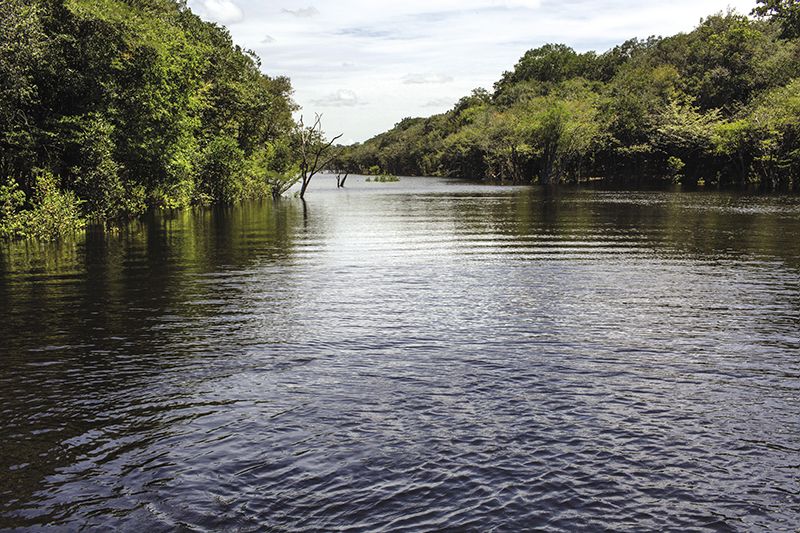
[
  {"x": 786, "y": 12},
  {"x": 134, "y": 103}
]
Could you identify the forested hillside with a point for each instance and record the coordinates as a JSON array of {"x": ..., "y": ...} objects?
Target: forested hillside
[
  {"x": 720, "y": 104},
  {"x": 108, "y": 107}
]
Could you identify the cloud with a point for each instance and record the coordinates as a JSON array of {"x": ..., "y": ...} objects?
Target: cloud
[
  {"x": 440, "y": 102},
  {"x": 399, "y": 57},
  {"x": 365, "y": 33},
  {"x": 527, "y": 4},
  {"x": 340, "y": 98},
  {"x": 304, "y": 13},
  {"x": 222, "y": 11},
  {"x": 426, "y": 78}
]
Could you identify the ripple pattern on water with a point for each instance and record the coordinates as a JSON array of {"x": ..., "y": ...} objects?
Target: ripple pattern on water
[{"x": 417, "y": 356}]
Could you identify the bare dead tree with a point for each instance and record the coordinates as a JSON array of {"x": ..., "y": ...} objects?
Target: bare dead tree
[
  {"x": 340, "y": 180},
  {"x": 314, "y": 151}
]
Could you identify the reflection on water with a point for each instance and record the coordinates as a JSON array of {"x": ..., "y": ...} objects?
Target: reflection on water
[{"x": 410, "y": 356}]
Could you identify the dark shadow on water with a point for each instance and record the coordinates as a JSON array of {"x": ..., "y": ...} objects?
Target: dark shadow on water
[{"x": 387, "y": 354}]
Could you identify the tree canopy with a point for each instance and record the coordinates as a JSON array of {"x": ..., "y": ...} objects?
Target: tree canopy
[
  {"x": 785, "y": 12},
  {"x": 715, "y": 104},
  {"x": 118, "y": 105}
]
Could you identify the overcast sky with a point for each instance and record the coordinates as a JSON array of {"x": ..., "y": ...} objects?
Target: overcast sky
[{"x": 366, "y": 64}]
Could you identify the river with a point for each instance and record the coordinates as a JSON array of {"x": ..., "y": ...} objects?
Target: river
[{"x": 419, "y": 355}]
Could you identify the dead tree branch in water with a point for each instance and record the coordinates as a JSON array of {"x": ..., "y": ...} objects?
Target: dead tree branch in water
[{"x": 314, "y": 151}]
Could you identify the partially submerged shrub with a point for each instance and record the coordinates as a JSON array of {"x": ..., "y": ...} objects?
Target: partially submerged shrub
[
  {"x": 49, "y": 214},
  {"x": 384, "y": 178},
  {"x": 12, "y": 200},
  {"x": 221, "y": 171}
]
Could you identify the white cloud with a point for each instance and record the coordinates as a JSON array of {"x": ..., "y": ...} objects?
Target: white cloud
[
  {"x": 426, "y": 78},
  {"x": 441, "y": 103},
  {"x": 222, "y": 11},
  {"x": 340, "y": 98},
  {"x": 415, "y": 57},
  {"x": 529, "y": 4},
  {"x": 306, "y": 12}
]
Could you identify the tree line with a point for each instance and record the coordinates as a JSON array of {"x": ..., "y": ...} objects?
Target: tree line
[
  {"x": 719, "y": 105},
  {"x": 110, "y": 107}
]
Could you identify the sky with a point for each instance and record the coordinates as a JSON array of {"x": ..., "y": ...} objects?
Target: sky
[{"x": 365, "y": 65}]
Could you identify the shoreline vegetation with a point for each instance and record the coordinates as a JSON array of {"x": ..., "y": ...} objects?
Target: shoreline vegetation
[
  {"x": 719, "y": 106},
  {"x": 382, "y": 178},
  {"x": 374, "y": 175},
  {"x": 109, "y": 108},
  {"x": 112, "y": 107}
]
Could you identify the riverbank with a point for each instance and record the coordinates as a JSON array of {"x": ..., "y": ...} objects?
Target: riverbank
[{"x": 718, "y": 105}]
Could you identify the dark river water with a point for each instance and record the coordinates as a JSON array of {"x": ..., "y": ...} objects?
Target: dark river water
[{"x": 416, "y": 356}]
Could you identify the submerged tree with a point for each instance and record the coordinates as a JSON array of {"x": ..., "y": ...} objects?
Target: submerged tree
[{"x": 314, "y": 151}]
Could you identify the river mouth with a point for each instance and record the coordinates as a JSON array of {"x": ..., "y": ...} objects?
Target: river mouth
[{"x": 417, "y": 355}]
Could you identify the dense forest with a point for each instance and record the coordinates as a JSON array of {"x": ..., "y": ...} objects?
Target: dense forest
[
  {"x": 719, "y": 105},
  {"x": 110, "y": 107}
]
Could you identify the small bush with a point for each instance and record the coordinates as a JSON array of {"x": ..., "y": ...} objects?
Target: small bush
[
  {"x": 221, "y": 171},
  {"x": 12, "y": 199},
  {"x": 48, "y": 215},
  {"x": 385, "y": 178}
]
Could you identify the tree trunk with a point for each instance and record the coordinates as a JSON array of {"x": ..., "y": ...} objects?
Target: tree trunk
[{"x": 306, "y": 181}]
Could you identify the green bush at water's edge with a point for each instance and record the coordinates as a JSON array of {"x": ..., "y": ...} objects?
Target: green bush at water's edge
[
  {"x": 48, "y": 214},
  {"x": 383, "y": 178}
]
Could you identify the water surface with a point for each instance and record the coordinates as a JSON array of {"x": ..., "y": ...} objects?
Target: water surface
[{"x": 413, "y": 356}]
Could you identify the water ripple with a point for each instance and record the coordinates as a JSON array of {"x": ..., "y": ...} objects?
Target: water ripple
[{"x": 426, "y": 356}]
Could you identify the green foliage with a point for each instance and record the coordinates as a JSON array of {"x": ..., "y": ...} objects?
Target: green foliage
[
  {"x": 54, "y": 212},
  {"x": 136, "y": 103},
  {"x": 551, "y": 63},
  {"x": 785, "y": 12},
  {"x": 220, "y": 166},
  {"x": 383, "y": 178},
  {"x": 774, "y": 135},
  {"x": 50, "y": 213},
  {"x": 717, "y": 105},
  {"x": 725, "y": 60},
  {"x": 686, "y": 136},
  {"x": 275, "y": 167},
  {"x": 22, "y": 46},
  {"x": 12, "y": 200}
]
